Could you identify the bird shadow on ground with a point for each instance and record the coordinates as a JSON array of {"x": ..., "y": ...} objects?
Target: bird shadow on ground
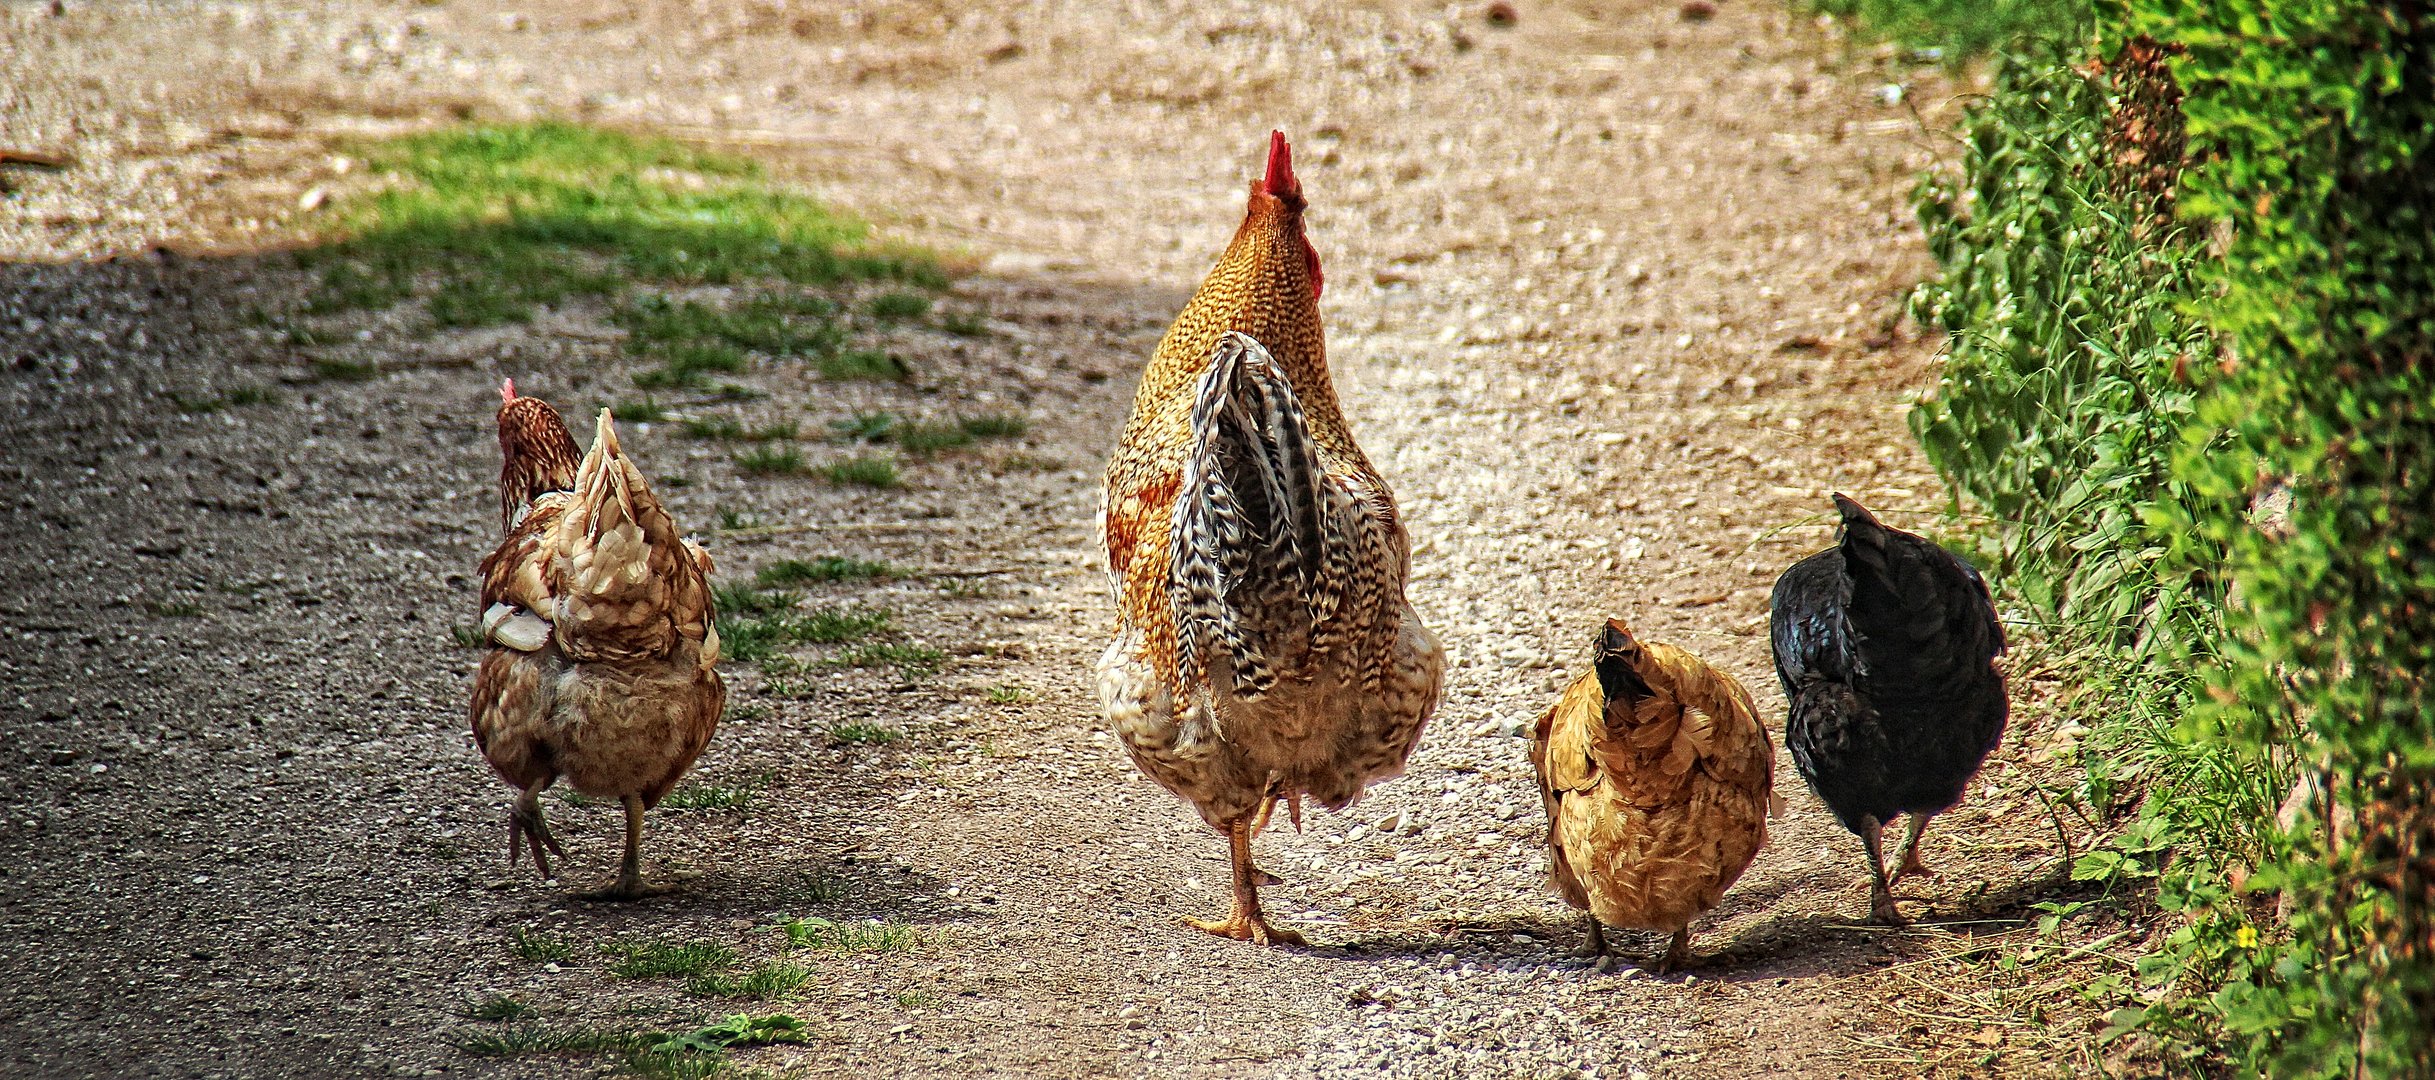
[
  {"x": 1802, "y": 946},
  {"x": 1787, "y": 946}
]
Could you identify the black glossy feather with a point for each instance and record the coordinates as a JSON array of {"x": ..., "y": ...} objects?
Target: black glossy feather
[{"x": 1886, "y": 646}]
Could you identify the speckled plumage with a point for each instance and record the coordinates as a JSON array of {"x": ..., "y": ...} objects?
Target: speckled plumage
[
  {"x": 1657, "y": 779},
  {"x": 601, "y": 666},
  {"x": 1278, "y": 657}
]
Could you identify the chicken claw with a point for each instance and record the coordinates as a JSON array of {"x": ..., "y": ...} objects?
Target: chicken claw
[
  {"x": 1678, "y": 953},
  {"x": 1245, "y": 926},
  {"x": 1596, "y": 946},
  {"x": 1245, "y": 922},
  {"x": 1911, "y": 865},
  {"x": 629, "y": 883},
  {"x": 526, "y": 826}
]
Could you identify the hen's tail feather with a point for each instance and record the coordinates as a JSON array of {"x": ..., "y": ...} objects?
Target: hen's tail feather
[
  {"x": 632, "y": 586},
  {"x": 1261, "y": 550}
]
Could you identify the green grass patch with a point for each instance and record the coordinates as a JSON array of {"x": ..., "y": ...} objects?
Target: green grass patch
[
  {"x": 912, "y": 660},
  {"x": 964, "y": 324},
  {"x": 835, "y": 625},
  {"x": 658, "y": 960},
  {"x": 645, "y": 411},
  {"x": 535, "y": 947},
  {"x": 736, "y": 1030},
  {"x": 343, "y": 370},
  {"x": 862, "y": 364},
  {"x": 925, "y": 437},
  {"x": 748, "y": 639},
  {"x": 819, "y": 887},
  {"x": 898, "y": 306},
  {"x": 492, "y": 221},
  {"x": 865, "y": 427},
  {"x": 744, "y": 714},
  {"x": 526, "y": 1040},
  {"x": 850, "y": 937},
  {"x": 860, "y": 734},
  {"x": 1008, "y": 695},
  {"x": 497, "y": 1007},
  {"x": 877, "y": 472},
  {"x": 775, "y": 979},
  {"x": 701, "y": 796},
  {"x": 995, "y": 426},
  {"x": 821, "y": 570},
  {"x": 778, "y": 327},
  {"x": 737, "y": 598},
  {"x": 770, "y": 461}
]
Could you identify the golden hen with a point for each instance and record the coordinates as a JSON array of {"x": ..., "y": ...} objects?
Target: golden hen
[
  {"x": 1658, "y": 782},
  {"x": 1265, "y": 650},
  {"x": 602, "y": 649}
]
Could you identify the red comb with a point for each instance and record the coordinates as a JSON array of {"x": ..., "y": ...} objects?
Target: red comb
[
  {"x": 507, "y": 390},
  {"x": 1280, "y": 180}
]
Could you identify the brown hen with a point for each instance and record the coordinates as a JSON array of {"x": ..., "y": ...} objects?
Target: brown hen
[
  {"x": 1264, "y": 647},
  {"x": 602, "y": 649},
  {"x": 1658, "y": 782}
]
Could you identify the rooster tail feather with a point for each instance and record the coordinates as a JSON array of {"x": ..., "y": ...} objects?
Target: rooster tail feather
[{"x": 1258, "y": 532}]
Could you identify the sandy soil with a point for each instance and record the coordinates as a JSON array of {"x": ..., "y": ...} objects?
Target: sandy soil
[{"x": 1613, "y": 298}]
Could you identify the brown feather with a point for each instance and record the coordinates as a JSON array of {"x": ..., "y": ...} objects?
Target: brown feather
[
  {"x": 1655, "y": 806},
  {"x": 1365, "y": 675},
  {"x": 624, "y": 695}
]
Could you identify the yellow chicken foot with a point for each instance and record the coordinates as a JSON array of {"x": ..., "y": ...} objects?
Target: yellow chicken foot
[
  {"x": 525, "y": 826},
  {"x": 1881, "y": 895},
  {"x": 629, "y": 883},
  {"x": 1245, "y": 922},
  {"x": 1911, "y": 866}
]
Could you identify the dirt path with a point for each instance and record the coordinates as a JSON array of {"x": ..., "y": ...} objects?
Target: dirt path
[{"x": 1610, "y": 299}]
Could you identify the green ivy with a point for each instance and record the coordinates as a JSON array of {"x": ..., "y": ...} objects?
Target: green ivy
[{"x": 2195, "y": 394}]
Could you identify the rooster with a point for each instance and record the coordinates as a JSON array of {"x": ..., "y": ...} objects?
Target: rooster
[
  {"x": 1886, "y": 645},
  {"x": 1658, "y": 782},
  {"x": 1264, "y": 650},
  {"x": 602, "y": 648}
]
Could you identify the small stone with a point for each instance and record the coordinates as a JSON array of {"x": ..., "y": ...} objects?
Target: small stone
[{"x": 1698, "y": 10}]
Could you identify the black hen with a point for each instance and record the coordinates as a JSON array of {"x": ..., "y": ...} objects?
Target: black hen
[{"x": 1886, "y": 645}]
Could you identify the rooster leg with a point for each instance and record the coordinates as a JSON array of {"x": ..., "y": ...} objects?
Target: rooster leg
[
  {"x": 1881, "y": 897},
  {"x": 1911, "y": 866},
  {"x": 629, "y": 883},
  {"x": 1597, "y": 939},
  {"x": 1678, "y": 953},
  {"x": 1259, "y": 824},
  {"x": 1245, "y": 922},
  {"x": 525, "y": 826}
]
